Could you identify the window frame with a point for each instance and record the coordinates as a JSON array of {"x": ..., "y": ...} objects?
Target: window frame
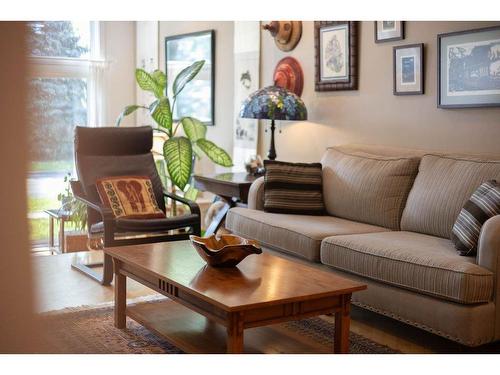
[
  {"x": 74, "y": 67},
  {"x": 91, "y": 68}
]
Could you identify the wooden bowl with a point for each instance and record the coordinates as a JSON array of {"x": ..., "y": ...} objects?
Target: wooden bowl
[{"x": 225, "y": 251}]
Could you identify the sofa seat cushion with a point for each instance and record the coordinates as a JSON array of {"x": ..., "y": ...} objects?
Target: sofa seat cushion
[
  {"x": 296, "y": 234},
  {"x": 414, "y": 261}
]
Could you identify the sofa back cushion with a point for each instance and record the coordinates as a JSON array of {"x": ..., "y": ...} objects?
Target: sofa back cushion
[
  {"x": 443, "y": 184},
  {"x": 365, "y": 187}
]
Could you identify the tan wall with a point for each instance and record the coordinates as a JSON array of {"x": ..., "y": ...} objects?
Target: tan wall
[
  {"x": 372, "y": 114},
  {"x": 222, "y": 132}
]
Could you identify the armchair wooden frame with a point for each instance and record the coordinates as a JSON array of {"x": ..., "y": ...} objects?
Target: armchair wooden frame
[{"x": 109, "y": 222}]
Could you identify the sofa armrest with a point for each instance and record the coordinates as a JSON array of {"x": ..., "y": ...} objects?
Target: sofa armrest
[
  {"x": 256, "y": 195},
  {"x": 488, "y": 255}
]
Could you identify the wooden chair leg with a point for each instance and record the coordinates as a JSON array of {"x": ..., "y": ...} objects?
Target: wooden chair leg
[
  {"x": 107, "y": 273},
  {"x": 51, "y": 235}
]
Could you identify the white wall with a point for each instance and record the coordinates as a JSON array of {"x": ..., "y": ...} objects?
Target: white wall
[
  {"x": 119, "y": 79},
  {"x": 222, "y": 132},
  {"x": 146, "y": 58}
]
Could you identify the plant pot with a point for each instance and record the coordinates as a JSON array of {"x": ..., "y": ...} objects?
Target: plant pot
[{"x": 75, "y": 241}]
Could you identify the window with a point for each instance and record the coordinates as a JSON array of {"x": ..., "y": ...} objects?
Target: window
[
  {"x": 59, "y": 39},
  {"x": 65, "y": 64},
  {"x": 60, "y": 103}
]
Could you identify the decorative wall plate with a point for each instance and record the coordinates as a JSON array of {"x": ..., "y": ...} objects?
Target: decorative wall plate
[
  {"x": 286, "y": 34},
  {"x": 288, "y": 74}
]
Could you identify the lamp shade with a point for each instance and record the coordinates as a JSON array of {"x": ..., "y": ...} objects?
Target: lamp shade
[{"x": 274, "y": 103}]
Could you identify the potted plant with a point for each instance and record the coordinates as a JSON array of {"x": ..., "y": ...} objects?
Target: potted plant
[
  {"x": 179, "y": 151},
  {"x": 76, "y": 240}
]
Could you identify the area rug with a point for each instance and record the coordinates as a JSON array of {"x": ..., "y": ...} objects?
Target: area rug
[{"x": 90, "y": 330}]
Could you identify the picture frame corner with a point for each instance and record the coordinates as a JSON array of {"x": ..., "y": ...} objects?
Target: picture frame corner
[
  {"x": 468, "y": 100},
  {"x": 352, "y": 41},
  {"x": 420, "y": 90}
]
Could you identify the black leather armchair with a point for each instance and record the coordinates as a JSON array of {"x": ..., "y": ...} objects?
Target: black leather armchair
[{"x": 113, "y": 151}]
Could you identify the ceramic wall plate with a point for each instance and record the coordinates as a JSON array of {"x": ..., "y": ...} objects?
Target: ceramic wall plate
[{"x": 288, "y": 74}]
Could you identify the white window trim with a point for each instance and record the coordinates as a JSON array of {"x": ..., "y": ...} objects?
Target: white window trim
[{"x": 92, "y": 69}]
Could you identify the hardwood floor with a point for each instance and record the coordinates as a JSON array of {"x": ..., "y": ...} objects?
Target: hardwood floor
[{"x": 59, "y": 286}]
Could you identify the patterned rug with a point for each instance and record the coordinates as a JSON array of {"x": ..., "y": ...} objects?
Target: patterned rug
[{"x": 90, "y": 330}]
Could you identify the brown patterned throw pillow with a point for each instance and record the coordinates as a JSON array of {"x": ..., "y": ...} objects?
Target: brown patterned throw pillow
[
  {"x": 483, "y": 204},
  {"x": 293, "y": 188},
  {"x": 130, "y": 197}
]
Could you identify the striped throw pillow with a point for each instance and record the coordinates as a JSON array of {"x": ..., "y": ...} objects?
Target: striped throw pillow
[
  {"x": 484, "y": 203},
  {"x": 293, "y": 188}
]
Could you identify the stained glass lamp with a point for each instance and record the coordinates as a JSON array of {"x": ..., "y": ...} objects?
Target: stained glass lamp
[{"x": 274, "y": 103}]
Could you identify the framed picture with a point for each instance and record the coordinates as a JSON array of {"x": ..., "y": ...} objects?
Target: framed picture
[
  {"x": 408, "y": 68},
  {"x": 198, "y": 97},
  {"x": 469, "y": 68},
  {"x": 336, "y": 45},
  {"x": 387, "y": 31}
]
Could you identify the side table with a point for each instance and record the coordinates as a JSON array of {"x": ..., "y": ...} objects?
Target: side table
[
  {"x": 62, "y": 216},
  {"x": 232, "y": 188}
]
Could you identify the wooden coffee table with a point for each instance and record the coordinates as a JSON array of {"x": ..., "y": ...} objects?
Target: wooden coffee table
[{"x": 209, "y": 308}]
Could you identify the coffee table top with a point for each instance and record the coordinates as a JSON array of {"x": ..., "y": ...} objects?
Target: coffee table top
[{"x": 262, "y": 279}]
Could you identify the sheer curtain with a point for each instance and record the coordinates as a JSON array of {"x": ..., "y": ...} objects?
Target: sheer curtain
[
  {"x": 96, "y": 82},
  {"x": 95, "y": 87}
]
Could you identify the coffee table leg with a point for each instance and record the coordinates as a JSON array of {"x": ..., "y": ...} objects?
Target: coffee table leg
[
  {"x": 120, "y": 297},
  {"x": 235, "y": 334},
  {"x": 342, "y": 322}
]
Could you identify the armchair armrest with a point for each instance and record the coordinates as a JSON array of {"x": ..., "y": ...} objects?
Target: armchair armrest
[
  {"x": 77, "y": 189},
  {"x": 256, "y": 195},
  {"x": 193, "y": 206}
]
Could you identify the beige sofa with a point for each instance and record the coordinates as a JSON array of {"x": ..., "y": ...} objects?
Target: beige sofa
[{"x": 390, "y": 215}]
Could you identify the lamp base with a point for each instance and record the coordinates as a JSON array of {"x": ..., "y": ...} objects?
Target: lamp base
[{"x": 272, "y": 148}]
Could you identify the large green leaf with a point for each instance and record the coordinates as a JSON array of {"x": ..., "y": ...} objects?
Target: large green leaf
[
  {"x": 214, "y": 152},
  {"x": 179, "y": 156},
  {"x": 197, "y": 151},
  {"x": 148, "y": 83},
  {"x": 160, "y": 167},
  {"x": 127, "y": 111},
  {"x": 186, "y": 75},
  {"x": 161, "y": 113},
  {"x": 193, "y": 128},
  {"x": 160, "y": 78},
  {"x": 191, "y": 193}
]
